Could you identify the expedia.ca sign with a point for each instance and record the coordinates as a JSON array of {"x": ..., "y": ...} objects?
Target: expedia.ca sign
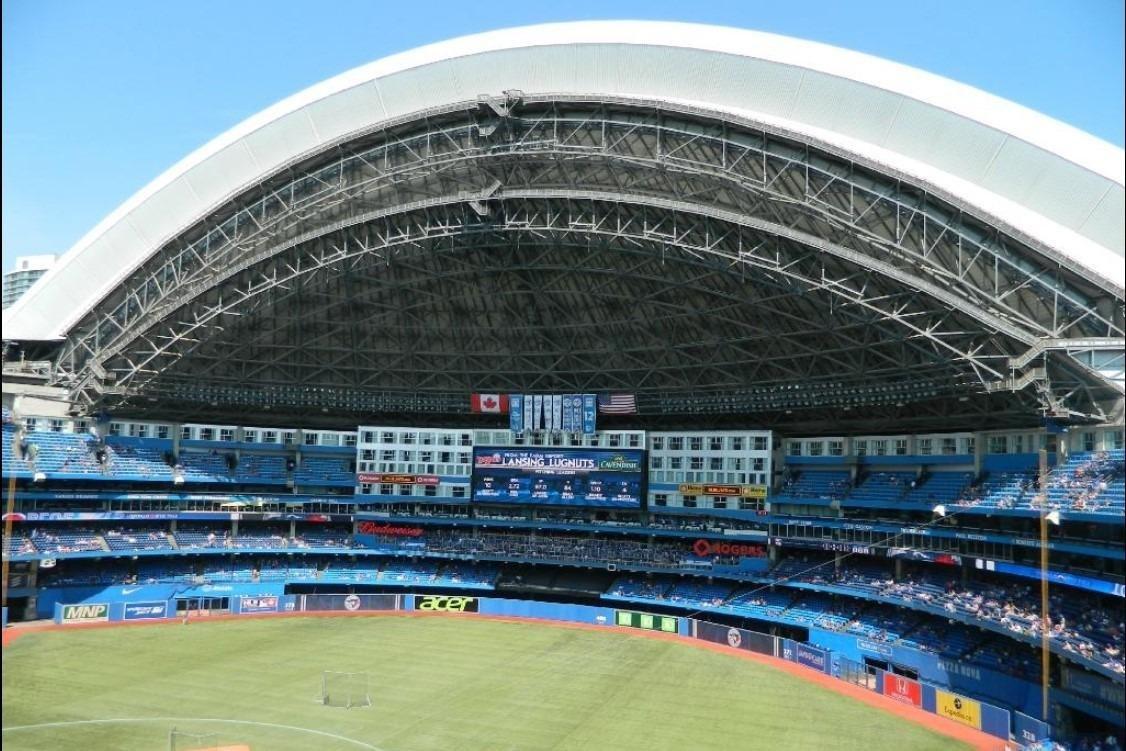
[
  {"x": 444, "y": 604},
  {"x": 704, "y": 548},
  {"x": 85, "y": 613}
]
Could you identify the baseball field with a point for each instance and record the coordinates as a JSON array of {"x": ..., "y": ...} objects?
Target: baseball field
[{"x": 435, "y": 684}]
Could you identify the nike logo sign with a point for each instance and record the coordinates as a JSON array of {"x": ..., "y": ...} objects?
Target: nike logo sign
[{"x": 129, "y": 590}]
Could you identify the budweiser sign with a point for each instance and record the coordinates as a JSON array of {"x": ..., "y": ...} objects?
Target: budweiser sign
[
  {"x": 390, "y": 530},
  {"x": 704, "y": 548}
]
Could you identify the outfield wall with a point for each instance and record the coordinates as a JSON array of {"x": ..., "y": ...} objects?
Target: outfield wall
[{"x": 250, "y": 601}]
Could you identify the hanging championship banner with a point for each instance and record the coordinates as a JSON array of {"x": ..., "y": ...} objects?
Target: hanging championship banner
[
  {"x": 590, "y": 412},
  {"x": 516, "y": 413},
  {"x": 568, "y": 423},
  {"x": 537, "y": 412},
  {"x": 556, "y": 413},
  {"x": 527, "y": 407}
]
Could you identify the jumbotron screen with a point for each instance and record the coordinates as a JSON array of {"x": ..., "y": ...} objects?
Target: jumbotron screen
[{"x": 612, "y": 478}]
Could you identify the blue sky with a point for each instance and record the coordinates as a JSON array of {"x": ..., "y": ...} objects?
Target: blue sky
[{"x": 101, "y": 97}]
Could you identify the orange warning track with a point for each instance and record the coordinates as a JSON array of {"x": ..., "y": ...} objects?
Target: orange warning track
[{"x": 975, "y": 738}]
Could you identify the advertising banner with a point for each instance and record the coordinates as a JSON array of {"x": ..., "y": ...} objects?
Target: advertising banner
[
  {"x": 261, "y": 589},
  {"x": 945, "y": 559},
  {"x": 704, "y": 548},
  {"x": 258, "y": 604},
  {"x": 752, "y": 641},
  {"x": 957, "y": 708},
  {"x": 378, "y": 478},
  {"x": 444, "y": 604},
  {"x": 144, "y": 611},
  {"x": 811, "y": 657},
  {"x": 903, "y": 689},
  {"x": 85, "y": 613},
  {"x": 387, "y": 529},
  {"x": 350, "y": 603},
  {"x": 728, "y": 491}
]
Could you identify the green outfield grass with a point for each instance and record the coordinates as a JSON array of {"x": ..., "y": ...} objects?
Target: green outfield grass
[{"x": 437, "y": 683}]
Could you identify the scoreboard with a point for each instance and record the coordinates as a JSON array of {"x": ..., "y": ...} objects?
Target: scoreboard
[
  {"x": 630, "y": 619},
  {"x": 612, "y": 478}
]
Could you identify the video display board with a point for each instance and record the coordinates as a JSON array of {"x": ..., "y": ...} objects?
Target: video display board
[{"x": 610, "y": 478}]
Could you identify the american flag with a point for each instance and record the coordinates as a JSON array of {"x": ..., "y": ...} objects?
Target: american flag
[{"x": 617, "y": 404}]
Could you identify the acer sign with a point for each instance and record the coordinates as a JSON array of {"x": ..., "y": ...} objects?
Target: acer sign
[
  {"x": 705, "y": 548},
  {"x": 380, "y": 478},
  {"x": 389, "y": 530},
  {"x": 445, "y": 604}
]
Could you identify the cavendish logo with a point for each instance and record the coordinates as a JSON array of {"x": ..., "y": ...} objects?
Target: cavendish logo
[
  {"x": 352, "y": 602},
  {"x": 734, "y": 638},
  {"x": 619, "y": 463},
  {"x": 704, "y": 548}
]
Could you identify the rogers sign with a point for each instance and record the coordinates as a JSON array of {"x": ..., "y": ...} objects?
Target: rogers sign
[
  {"x": 704, "y": 548},
  {"x": 372, "y": 528}
]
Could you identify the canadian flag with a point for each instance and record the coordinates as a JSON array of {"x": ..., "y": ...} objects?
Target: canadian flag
[{"x": 496, "y": 404}]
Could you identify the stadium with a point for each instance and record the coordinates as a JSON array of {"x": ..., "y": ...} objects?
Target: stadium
[{"x": 601, "y": 385}]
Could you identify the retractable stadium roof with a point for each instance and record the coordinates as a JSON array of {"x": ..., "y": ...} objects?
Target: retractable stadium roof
[{"x": 709, "y": 217}]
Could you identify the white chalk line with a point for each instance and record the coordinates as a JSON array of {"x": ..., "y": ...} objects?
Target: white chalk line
[{"x": 42, "y": 725}]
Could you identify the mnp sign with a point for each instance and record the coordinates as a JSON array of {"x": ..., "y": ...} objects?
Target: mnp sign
[
  {"x": 98, "y": 611},
  {"x": 957, "y": 708}
]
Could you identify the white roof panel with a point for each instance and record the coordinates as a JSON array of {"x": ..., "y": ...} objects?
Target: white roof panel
[{"x": 1049, "y": 181}]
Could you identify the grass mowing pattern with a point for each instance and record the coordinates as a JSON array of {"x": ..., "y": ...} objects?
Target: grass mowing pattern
[{"x": 437, "y": 684}]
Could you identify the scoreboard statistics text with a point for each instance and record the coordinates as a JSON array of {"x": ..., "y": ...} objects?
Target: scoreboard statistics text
[{"x": 612, "y": 478}]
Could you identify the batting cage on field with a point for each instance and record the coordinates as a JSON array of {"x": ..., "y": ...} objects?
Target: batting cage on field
[{"x": 345, "y": 689}]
